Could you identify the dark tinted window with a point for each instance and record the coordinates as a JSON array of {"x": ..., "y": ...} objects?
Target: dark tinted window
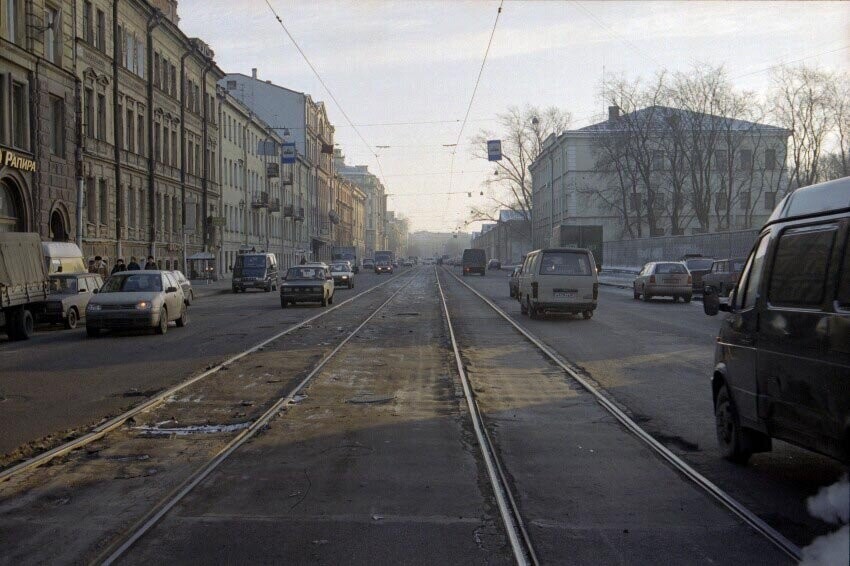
[
  {"x": 667, "y": 268},
  {"x": 844, "y": 281},
  {"x": 800, "y": 266},
  {"x": 699, "y": 264},
  {"x": 565, "y": 263}
]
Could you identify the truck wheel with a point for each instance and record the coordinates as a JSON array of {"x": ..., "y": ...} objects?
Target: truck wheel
[
  {"x": 22, "y": 325},
  {"x": 71, "y": 319}
]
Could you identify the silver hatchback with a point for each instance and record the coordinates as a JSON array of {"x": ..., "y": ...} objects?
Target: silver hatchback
[{"x": 664, "y": 279}]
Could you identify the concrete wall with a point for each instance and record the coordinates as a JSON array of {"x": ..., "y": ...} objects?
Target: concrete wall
[{"x": 635, "y": 253}]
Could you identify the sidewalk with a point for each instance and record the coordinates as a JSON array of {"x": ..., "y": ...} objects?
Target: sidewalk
[{"x": 206, "y": 288}]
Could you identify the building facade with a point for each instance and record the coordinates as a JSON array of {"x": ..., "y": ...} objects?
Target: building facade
[
  {"x": 658, "y": 171},
  {"x": 38, "y": 117},
  {"x": 351, "y": 207},
  {"x": 508, "y": 239},
  {"x": 376, "y": 202},
  {"x": 149, "y": 135},
  {"x": 297, "y": 118}
]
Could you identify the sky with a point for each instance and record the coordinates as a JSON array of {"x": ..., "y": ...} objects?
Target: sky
[{"x": 404, "y": 71}]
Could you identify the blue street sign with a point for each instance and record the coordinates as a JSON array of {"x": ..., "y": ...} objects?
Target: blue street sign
[
  {"x": 494, "y": 150},
  {"x": 287, "y": 153}
]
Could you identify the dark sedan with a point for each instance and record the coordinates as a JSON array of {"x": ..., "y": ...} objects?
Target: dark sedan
[
  {"x": 384, "y": 267},
  {"x": 307, "y": 284},
  {"x": 698, "y": 267}
]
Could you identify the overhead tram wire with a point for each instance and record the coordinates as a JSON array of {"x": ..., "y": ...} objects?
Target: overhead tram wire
[
  {"x": 327, "y": 89},
  {"x": 472, "y": 99}
]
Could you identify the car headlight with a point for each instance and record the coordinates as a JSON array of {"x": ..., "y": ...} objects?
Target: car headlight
[
  {"x": 143, "y": 305},
  {"x": 92, "y": 307},
  {"x": 345, "y": 276}
]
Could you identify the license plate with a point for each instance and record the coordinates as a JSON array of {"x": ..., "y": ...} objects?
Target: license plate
[
  {"x": 670, "y": 280},
  {"x": 563, "y": 295}
]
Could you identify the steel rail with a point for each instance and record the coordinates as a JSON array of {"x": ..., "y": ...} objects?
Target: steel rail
[
  {"x": 102, "y": 429},
  {"x": 118, "y": 548},
  {"x": 754, "y": 521},
  {"x": 518, "y": 537}
]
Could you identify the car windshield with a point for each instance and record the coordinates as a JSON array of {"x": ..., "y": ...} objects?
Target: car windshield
[
  {"x": 252, "y": 261},
  {"x": 738, "y": 265},
  {"x": 565, "y": 263},
  {"x": 133, "y": 283},
  {"x": 63, "y": 284},
  {"x": 699, "y": 264},
  {"x": 670, "y": 268},
  {"x": 338, "y": 267},
  {"x": 302, "y": 273}
]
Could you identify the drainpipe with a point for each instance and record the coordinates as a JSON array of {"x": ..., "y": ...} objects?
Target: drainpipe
[
  {"x": 34, "y": 122},
  {"x": 203, "y": 152},
  {"x": 116, "y": 130},
  {"x": 78, "y": 151},
  {"x": 154, "y": 20}
]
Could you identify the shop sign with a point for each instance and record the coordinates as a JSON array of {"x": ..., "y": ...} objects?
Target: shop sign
[{"x": 9, "y": 158}]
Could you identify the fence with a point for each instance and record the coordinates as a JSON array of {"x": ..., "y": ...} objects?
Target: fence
[{"x": 633, "y": 254}]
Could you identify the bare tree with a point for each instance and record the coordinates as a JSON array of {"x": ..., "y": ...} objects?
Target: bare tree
[
  {"x": 522, "y": 132},
  {"x": 838, "y": 162},
  {"x": 802, "y": 100}
]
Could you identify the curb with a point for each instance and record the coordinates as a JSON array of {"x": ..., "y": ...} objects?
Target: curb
[{"x": 618, "y": 286}]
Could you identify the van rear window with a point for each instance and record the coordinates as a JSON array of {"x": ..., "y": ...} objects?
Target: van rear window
[
  {"x": 799, "y": 270},
  {"x": 565, "y": 263},
  {"x": 670, "y": 268}
]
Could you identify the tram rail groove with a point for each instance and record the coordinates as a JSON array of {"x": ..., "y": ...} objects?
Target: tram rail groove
[
  {"x": 518, "y": 536},
  {"x": 101, "y": 430},
  {"x": 118, "y": 548},
  {"x": 754, "y": 521}
]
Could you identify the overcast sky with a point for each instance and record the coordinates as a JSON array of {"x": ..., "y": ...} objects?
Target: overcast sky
[{"x": 411, "y": 61}]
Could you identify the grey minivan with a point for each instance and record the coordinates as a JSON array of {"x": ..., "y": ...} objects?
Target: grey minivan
[{"x": 782, "y": 360}]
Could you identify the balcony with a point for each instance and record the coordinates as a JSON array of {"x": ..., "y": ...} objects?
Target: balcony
[
  {"x": 260, "y": 200},
  {"x": 288, "y": 211},
  {"x": 274, "y": 205}
]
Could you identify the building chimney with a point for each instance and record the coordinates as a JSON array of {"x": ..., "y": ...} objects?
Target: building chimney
[
  {"x": 254, "y": 73},
  {"x": 613, "y": 113}
]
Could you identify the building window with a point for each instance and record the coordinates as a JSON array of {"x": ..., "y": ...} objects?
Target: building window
[
  {"x": 745, "y": 160},
  {"x": 156, "y": 70},
  {"x": 14, "y": 24},
  {"x": 131, "y": 131},
  {"x": 131, "y": 207},
  {"x": 20, "y": 115},
  {"x": 91, "y": 200},
  {"x": 197, "y": 159},
  {"x": 141, "y": 51},
  {"x": 57, "y": 126},
  {"x": 88, "y": 95},
  {"x": 156, "y": 145},
  {"x": 87, "y": 22},
  {"x": 769, "y": 159},
  {"x": 770, "y": 200},
  {"x": 101, "y": 31},
  {"x": 104, "y": 201},
  {"x": 745, "y": 200},
  {"x": 166, "y": 154},
  {"x": 720, "y": 160},
  {"x": 173, "y": 82},
  {"x": 101, "y": 117},
  {"x": 140, "y": 137},
  {"x": 177, "y": 212},
  {"x": 52, "y": 36},
  {"x": 174, "y": 148},
  {"x": 189, "y": 156}
]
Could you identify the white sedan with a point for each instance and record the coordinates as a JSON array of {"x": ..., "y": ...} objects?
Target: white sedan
[{"x": 343, "y": 275}]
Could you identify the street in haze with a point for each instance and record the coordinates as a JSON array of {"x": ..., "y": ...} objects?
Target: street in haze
[{"x": 422, "y": 282}]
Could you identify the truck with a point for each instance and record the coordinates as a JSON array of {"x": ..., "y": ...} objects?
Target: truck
[
  {"x": 384, "y": 255},
  {"x": 577, "y": 236},
  {"x": 24, "y": 284},
  {"x": 346, "y": 253}
]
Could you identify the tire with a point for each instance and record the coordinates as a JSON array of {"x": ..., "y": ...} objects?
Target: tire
[
  {"x": 646, "y": 296},
  {"x": 734, "y": 442},
  {"x": 92, "y": 331},
  {"x": 532, "y": 311},
  {"x": 283, "y": 303},
  {"x": 163, "y": 321},
  {"x": 687, "y": 298},
  {"x": 191, "y": 297},
  {"x": 71, "y": 319},
  {"x": 523, "y": 308},
  {"x": 22, "y": 325},
  {"x": 184, "y": 318},
  {"x": 675, "y": 298},
  {"x": 324, "y": 301},
  {"x": 636, "y": 293},
  {"x": 588, "y": 314}
]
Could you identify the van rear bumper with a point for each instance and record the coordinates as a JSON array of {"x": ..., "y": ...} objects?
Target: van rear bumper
[{"x": 568, "y": 307}]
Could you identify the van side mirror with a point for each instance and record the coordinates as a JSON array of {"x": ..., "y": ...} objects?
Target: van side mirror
[{"x": 171, "y": 290}]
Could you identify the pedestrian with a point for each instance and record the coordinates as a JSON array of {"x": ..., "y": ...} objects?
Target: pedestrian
[
  {"x": 133, "y": 266},
  {"x": 92, "y": 268},
  {"x": 151, "y": 264},
  {"x": 303, "y": 260},
  {"x": 100, "y": 267},
  {"x": 119, "y": 266}
]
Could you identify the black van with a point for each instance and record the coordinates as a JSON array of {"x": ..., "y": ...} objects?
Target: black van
[
  {"x": 255, "y": 271},
  {"x": 782, "y": 360},
  {"x": 474, "y": 261}
]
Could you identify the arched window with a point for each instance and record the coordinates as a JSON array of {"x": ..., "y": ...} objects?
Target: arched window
[{"x": 11, "y": 212}]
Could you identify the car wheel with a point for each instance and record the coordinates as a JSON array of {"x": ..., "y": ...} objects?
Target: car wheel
[
  {"x": 636, "y": 293},
  {"x": 92, "y": 331},
  {"x": 588, "y": 314},
  {"x": 532, "y": 311},
  {"x": 675, "y": 298},
  {"x": 523, "y": 308},
  {"x": 191, "y": 297},
  {"x": 646, "y": 296},
  {"x": 163, "y": 321},
  {"x": 267, "y": 288},
  {"x": 687, "y": 298},
  {"x": 71, "y": 319},
  {"x": 283, "y": 303},
  {"x": 735, "y": 442},
  {"x": 324, "y": 301},
  {"x": 184, "y": 318}
]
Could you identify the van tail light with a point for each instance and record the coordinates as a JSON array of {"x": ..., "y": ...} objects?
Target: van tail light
[
  {"x": 534, "y": 287},
  {"x": 652, "y": 278},
  {"x": 595, "y": 291},
  {"x": 690, "y": 280}
]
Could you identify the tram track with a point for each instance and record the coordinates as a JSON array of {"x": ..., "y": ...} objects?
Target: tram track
[
  {"x": 114, "y": 423},
  {"x": 758, "y": 525}
]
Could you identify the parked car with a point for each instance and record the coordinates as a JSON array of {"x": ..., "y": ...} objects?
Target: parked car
[
  {"x": 408, "y": 263},
  {"x": 369, "y": 263},
  {"x": 186, "y": 285},
  {"x": 513, "y": 282},
  {"x": 474, "y": 261},
  {"x": 723, "y": 276},
  {"x": 383, "y": 267},
  {"x": 255, "y": 271},
  {"x": 698, "y": 266},
  {"x": 69, "y": 295},
  {"x": 494, "y": 264},
  {"x": 343, "y": 274},
  {"x": 307, "y": 284},
  {"x": 137, "y": 299},
  {"x": 782, "y": 358},
  {"x": 664, "y": 279},
  {"x": 558, "y": 280}
]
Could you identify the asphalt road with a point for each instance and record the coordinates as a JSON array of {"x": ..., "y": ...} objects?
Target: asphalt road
[
  {"x": 655, "y": 359},
  {"x": 60, "y": 380}
]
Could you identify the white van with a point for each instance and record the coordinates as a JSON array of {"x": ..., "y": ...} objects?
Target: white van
[
  {"x": 558, "y": 280},
  {"x": 63, "y": 257}
]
